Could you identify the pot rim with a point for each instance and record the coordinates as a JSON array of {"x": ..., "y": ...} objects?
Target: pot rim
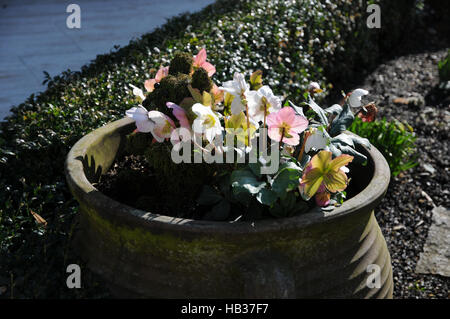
[{"x": 88, "y": 195}]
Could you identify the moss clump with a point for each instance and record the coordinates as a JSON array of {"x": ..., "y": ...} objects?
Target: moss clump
[
  {"x": 181, "y": 63},
  {"x": 201, "y": 80},
  {"x": 171, "y": 89},
  {"x": 181, "y": 183}
]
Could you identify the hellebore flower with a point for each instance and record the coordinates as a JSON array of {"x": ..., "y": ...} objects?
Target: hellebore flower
[
  {"x": 322, "y": 171},
  {"x": 217, "y": 94},
  {"x": 368, "y": 113},
  {"x": 314, "y": 87},
  {"x": 162, "y": 73},
  {"x": 239, "y": 89},
  {"x": 180, "y": 115},
  {"x": 285, "y": 125},
  {"x": 236, "y": 125},
  {"x": 262, "y": 102},
  {"x": 138, "y": 92},
  {"x": 317, "y": 140},
  {"x": 163, "y": 127},
  {"x": 354, "y": 100},
  {"x": 140, "y": 115},
  {"x": 207, "y": 122},
  {"x": 200, "y": 62}
]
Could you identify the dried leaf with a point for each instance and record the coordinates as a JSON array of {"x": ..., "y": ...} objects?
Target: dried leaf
[{"x": 39, "y": 219}]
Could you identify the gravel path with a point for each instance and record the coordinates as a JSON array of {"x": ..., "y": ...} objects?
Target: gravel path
[{"x": 405, "y": 213}]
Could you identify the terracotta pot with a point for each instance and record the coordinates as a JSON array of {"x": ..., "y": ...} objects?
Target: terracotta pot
[{"x": 317, "y": 254}]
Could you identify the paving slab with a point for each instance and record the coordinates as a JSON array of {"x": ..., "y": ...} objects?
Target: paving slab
[{"x": 435, "y": 258}]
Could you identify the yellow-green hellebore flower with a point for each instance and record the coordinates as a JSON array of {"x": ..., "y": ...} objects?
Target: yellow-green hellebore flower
[{"x": 322, "y": 170}]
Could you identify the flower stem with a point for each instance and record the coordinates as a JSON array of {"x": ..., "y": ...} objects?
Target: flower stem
[
  {"x": 303, "y": 146},
  {"x": 248, "y": 123}
]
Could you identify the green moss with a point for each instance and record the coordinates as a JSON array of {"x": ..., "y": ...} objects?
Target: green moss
[
  {"x": 171, "y": 89},
  {"x": 181, "y": 63},
  {"x": 201, "y": 80}
]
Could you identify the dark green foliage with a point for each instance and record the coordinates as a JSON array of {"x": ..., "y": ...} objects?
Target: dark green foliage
[
  {"x": 201, "y": 80},
  {"x": 395, "y": 140},
  {"x": 290, "y": 41},
  {"x": 181, "y": 63},
  {"x": 444, "y": 68}
]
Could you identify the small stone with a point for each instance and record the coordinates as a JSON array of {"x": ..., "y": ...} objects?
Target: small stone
[{"x": 430, "y": 169}]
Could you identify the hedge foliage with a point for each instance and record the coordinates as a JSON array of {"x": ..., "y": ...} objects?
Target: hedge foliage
[{"x": 292, "y": 42}]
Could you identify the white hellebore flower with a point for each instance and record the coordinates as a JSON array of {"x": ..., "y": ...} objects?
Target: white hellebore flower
[
  {"x": 239, "y": 89},
  {"x": 355, "y": 97},
  {"x": 163, "y": 126},
  {"x": 262, "y": 101},
  {"x": 138, "y": 92},
  {"x": 140, "y": 115},
  {"x": 207, "y": 122},
  {"x": 317, "y": 140}
]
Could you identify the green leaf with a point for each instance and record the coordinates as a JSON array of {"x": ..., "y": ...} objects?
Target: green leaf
[
  {"x": 342, "y": 122},
  {"x": 344, "y": 139},
  {"x": 267, "y": 197},
  {"x": 287, "y": 180},
  {"x": 208, "y": 196},
  {"x": 319, "y": 111},
  {"x": 335, "y": 109},
  {"x": 297, "y": 109},
  {"x": 256, "y": 80},
  {"x": 244, "y": 181}
]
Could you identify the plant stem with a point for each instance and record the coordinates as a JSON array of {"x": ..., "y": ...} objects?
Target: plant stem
[
  {"x": 248, "y": 123},
  {"x": 303, "y": 146}
]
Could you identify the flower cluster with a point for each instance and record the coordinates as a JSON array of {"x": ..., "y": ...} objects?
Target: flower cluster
[{"x": 314, "y": 147}]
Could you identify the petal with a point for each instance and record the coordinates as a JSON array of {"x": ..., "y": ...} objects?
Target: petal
[
  {"x": 180, "y": 114},
  {"x": 274, "y": 134},
  {"x": 162, "y": 73},
  {"x": 294, "y": 140},
  {"x": 200, "y": 58},
  {"x": 150, "y": 85},
  {"x": 321, "y": 160},
  {"x": 299, "y": 124},
  {"x": 197, "y": 126},
  {"x": 312, "y": 180},
  {"x": 355, "y": 97},
  {"x": 323, "y": 198},
  {"x": 211, "y": 69},
  {"x": 340, "y": 161},
  {"x": 137, "y": 91},
  {"x": 200, "y": 110},
  {"x": 237, "y": 106},
  {"x": 145, "y": 126},
  {"x": 335, "y": 181}
]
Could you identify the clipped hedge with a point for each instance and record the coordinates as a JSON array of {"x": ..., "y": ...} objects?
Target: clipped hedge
[{"x": 292, "y": 42}]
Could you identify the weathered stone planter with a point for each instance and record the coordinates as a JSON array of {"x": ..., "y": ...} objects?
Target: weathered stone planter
[{"x": 317, "y": 254}]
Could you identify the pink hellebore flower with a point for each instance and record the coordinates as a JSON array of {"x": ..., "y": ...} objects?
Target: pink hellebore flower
[
  {"x": 180, "y": 114},
  {"x": 287, "y": 125},
  {"x": 162, "y": 73},
  {"x": 200, "y": 62}
]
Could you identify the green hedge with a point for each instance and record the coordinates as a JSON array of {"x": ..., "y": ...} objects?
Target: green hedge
[{"x": 293, "y": 42}]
